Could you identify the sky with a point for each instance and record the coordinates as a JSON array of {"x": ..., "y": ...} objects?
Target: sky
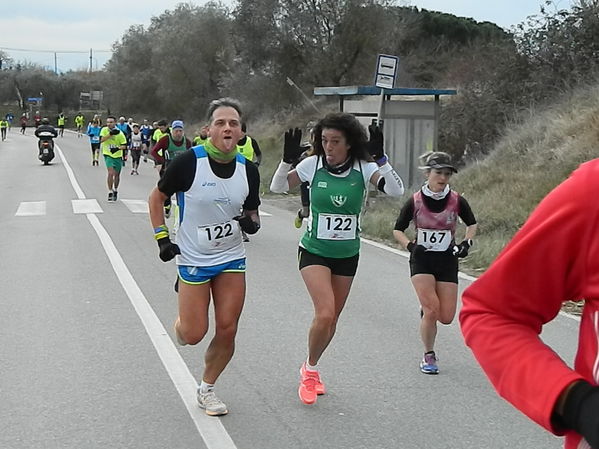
[{"x": 60, "y": 27}]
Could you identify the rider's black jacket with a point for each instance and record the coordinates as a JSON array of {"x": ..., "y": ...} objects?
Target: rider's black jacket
[{"x": 46, "y": 129}]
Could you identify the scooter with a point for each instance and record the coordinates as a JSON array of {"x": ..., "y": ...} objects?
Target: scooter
[{"x": 46, "y": 149}]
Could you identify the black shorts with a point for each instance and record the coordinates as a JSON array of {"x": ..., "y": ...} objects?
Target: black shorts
[
  {"x": 442, "y": 265},
  {"x": 95, "y": 146},
  {"x": 345, "y": 266}
]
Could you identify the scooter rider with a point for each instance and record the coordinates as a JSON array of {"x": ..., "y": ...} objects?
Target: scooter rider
[{"x": 45, "y": 132}]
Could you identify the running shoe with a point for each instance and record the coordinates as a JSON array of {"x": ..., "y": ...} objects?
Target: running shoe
[
  {"x": 299, "y": 219},
  {"x": 211, "y": 404},
  {"x": 110, "y": 197},
  {"x": 132, "y": 172},
  {"x": 428, "y": 365},
  {"x": 307, "y": 386},
  {"x": 319, "y": 386},
  {"x": 114, "y": 195}
]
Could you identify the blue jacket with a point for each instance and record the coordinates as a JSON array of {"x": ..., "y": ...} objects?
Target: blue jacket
[{"x": 94, "y": 133}]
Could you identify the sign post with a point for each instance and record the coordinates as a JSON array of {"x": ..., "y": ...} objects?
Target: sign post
[{"x": 386, "y": 72}]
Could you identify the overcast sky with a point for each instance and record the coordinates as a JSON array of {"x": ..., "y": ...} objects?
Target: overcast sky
[{"x": 65, "y": 25}]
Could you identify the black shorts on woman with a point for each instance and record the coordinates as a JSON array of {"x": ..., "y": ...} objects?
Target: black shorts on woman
[
  {"x": 342, "y": 266},
  {"x": 443, "y": 265}
]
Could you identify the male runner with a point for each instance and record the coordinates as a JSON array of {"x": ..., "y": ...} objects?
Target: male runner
[
  {"x": 215, "y": 183},
  {"x": 112, "y": 143}
]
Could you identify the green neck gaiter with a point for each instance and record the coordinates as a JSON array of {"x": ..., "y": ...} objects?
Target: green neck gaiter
[{"x": 215, "y": 153}]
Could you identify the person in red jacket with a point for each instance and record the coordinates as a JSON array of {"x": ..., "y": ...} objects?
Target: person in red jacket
[{"x": 553, "y": 258}]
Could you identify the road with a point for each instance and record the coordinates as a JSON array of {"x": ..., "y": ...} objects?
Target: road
[{"x": 87, "y": 357}]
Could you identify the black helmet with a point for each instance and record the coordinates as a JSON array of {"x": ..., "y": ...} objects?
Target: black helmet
[{"x": 45, "y": 121}]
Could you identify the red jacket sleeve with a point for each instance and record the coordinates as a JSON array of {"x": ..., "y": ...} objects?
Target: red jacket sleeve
[
  {"x": 545, "y": 264},
  {"x": 157, "y": 152}
]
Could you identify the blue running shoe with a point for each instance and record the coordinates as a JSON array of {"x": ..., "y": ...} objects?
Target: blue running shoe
[{"x": 428, "y": 365}]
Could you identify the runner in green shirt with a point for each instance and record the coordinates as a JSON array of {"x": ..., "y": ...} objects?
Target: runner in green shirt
[
  {"x": 343, "y": 164},
  {"x": 3, "y": 128},
  {"x": 60, "y": 121},
  {"x": 79, "y": 122},
  {"x": 112, "y": 144}
]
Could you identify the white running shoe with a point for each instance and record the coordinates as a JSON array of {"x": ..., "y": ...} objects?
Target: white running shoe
[{"x": 211, "y": 404}]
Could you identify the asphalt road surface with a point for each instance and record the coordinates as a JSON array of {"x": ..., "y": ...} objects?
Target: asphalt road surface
[{"x": 87, "y": 358}]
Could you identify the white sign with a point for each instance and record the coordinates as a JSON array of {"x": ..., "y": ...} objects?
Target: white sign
[{"x": 386, "y": 71}]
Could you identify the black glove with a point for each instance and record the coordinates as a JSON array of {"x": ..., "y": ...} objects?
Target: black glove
[
  {"x": 246, "y": 224},
  {"x": 114, "y": 131},
  {"x": 462, "y": 249},
  {"x": 581, "y": 412},
  {"x": 375, "y": 144},
  {"x": 292, "y": 149},
  {"x": 415, "y": 249},
  {"x": 168, "y": 249}
]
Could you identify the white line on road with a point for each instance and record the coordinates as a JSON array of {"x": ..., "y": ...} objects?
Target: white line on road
[
  {"x": 211, "y": 429},
  {"x": 86, "y": 207},
  {"x": 31, "y": 208},
  {"x": 136, "y": 206}
]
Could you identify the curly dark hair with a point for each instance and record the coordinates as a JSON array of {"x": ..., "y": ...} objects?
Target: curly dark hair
[{"x": 352, "y": 129}]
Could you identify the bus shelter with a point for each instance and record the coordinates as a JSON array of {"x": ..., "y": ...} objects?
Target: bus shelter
[{"x": 410, "y": 117}]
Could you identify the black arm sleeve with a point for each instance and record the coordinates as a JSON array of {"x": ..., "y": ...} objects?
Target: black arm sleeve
[
  {"x": 253, "y": 199},
  {"x": 256, "y": 148},
  {"x": 179, "y": 174},
  {"x": 466, "y": 213},
  {"x": 405, "y": 215}
]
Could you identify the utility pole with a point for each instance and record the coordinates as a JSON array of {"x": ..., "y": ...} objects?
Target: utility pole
[
  {"x": 90, "y": 60},
  {"x": 55, "y": 64}
]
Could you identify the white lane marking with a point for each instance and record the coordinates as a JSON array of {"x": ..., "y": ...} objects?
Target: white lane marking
[
  {"x": 31, "y": 208},
  {"x": 86, "y": 207},
  {"x": 210, "y": 428},
  {"x": 460, "y": 274},
  {"x": 265, "y": 214},
  {"x": 137, "y": 206},
  {"x": 70, "y": 173}
]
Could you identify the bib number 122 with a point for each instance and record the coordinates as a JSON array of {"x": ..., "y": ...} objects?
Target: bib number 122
[
  {"x": 219, "y": 231},
  {"x": 339, "y": 223}
]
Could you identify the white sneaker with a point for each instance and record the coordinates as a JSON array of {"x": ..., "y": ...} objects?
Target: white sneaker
[{"x": 211, "y": 404}]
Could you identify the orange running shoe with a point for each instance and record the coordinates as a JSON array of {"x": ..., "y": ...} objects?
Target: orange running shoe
[
  {"x": 319, "y": 387},
  {"x": 310, "y": 386}
]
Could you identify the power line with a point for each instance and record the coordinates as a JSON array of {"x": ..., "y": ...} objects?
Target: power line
[{"x": 53, "y": 51}]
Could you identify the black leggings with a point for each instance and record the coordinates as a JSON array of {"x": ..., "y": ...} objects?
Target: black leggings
[{"x": 136, "y": 155}]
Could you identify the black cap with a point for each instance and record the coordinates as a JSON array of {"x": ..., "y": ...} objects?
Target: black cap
[{"x": 438, "y": 159}]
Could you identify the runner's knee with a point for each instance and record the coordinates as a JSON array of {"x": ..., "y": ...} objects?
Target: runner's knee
[
  {"x": 192, "y": 336},
  {"x": 226, "y": 331}
]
